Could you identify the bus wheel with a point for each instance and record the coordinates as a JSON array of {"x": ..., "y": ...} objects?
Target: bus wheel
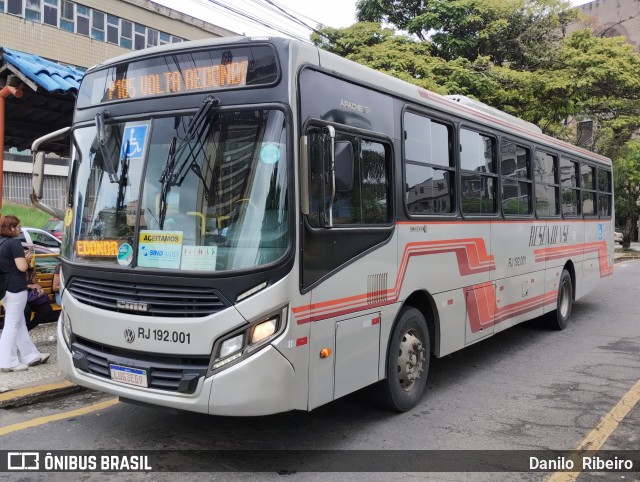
[
  {"x": 559, "y": 318},
  {"x": 407, "y": 363}
]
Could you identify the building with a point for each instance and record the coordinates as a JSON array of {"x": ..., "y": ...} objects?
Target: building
[
  {"x": 611, "y": 18},
  {"x": 37, "y": 35},
  {"x": 85, "y": 33}
]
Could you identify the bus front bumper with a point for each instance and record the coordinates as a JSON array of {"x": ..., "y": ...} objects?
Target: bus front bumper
[{"x": 262, "y": 384}]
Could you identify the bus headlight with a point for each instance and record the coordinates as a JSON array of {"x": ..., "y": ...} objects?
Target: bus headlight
[
  {"x": 263, "y": 330},
  {"x": 231, "y": 346},
  {"x": 243, "y": 342}
]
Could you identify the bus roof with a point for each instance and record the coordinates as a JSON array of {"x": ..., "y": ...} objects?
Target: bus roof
[{"x": 457, "y": 105}]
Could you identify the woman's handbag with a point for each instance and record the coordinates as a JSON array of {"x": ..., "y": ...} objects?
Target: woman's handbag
[{"x": 37, "y": 297}]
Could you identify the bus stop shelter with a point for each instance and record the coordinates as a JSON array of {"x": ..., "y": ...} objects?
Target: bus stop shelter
[{"x": 37, "y": 97}]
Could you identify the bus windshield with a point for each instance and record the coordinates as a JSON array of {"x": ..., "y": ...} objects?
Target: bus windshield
[{"x": 202, "y": 192}]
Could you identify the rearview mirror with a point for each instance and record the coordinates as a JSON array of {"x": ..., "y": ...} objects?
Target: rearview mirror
[{"x": 37, "y": 180}]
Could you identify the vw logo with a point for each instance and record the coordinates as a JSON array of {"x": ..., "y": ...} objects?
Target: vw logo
[{"x": 129, "y": 336}]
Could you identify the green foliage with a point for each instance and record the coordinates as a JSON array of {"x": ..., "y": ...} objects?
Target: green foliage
[
  {"x": 519, "y": 32},
  {"x": 405, "y": 58},
  {"x": 627, "y": 189},
  {"x": 28, "y": 215}
]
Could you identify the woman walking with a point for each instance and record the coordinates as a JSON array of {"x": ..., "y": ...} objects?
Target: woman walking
[{"x": 17, "y": 351}]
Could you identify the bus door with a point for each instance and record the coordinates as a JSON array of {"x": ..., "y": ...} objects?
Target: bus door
[{"x": 347, "y": 262}]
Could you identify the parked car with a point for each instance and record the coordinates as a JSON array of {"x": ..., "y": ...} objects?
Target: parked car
[
  {"x": 617, "y": 236},
  {"x": 41, "y": 238},
  {"x": 54, "y": 226}
]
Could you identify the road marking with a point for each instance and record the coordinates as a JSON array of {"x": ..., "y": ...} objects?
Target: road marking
[
  {"x": 25, "y": 392},
  {"x": 59, "y": 416},
  {"x": 599, "y": 435}
]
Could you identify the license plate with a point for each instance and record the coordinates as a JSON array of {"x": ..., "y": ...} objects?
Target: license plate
[{"x": 130, "y": 376}]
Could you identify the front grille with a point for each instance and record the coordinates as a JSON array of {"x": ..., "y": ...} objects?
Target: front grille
[
  {"x": 150, "y": 299},
  {"x": 176, "y": 374}
]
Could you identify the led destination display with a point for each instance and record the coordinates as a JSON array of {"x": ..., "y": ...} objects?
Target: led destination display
[{"x": 181, "y": 73}]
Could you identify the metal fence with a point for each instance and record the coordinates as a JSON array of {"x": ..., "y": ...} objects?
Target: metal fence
[{"x": 16, "y": 187}]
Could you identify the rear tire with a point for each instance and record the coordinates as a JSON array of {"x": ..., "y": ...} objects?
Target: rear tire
[
  {"x": 407, "y": 363},
  {"x": 559, "y": 318}
]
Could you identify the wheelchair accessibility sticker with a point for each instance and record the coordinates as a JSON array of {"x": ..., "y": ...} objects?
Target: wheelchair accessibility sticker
[{"x": 134, "y": 140}]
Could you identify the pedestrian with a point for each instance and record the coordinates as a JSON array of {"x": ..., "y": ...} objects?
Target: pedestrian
[
  {"x": 38, "y": 309},
  {"x": 17, "y": 351}
]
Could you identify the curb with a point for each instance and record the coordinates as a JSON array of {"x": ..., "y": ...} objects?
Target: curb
[
  {"x": 622, "y": 259},
  {"x": 34, "y": 394}
]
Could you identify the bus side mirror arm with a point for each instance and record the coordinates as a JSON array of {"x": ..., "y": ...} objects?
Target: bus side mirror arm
[{"x": 37, "y": 180}]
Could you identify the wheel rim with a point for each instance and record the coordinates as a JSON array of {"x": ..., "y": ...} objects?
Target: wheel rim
[
  {"x": 410, "y": 360},
  {"x": 565, "y": 299}
]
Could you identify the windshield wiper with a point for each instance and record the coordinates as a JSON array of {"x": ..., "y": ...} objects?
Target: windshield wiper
[
  {"x": 192, "y": 144},
  {"x": 122, "y": 182},
  {"x": 101, "y": 137}
]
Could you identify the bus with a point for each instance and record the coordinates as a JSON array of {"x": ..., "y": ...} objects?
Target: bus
[{"x": 255, "y": 225}]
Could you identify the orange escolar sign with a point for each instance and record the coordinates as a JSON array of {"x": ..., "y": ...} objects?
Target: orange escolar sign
[
  {"x": 231, "y": 74},
  {"x": 97, "y": 248}
]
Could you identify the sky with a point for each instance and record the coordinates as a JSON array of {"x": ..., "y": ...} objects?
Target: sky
[{"x": 331, "y": 13}]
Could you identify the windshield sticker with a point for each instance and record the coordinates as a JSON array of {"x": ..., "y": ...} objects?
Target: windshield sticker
[
  {"x": 134, "y": 140},
  {"x": 202, "y": 258},
  {"x": 160, "y": 249},
  {"x": 270, "y": 153},
  {"x": 90, "y": 247},
  {"x": 125, "y": 254},
  {"x": 68, "y": 217}
]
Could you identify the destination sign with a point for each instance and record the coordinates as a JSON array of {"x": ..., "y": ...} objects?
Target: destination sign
[
  {"x": 233, "y": 74},
  {"x": 181, "y": 73}
]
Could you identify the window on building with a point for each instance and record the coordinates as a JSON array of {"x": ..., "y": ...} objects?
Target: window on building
[
  {"x": 15, "y": 7},
  {"x": 82, "y": 20},
  {"x": 368, "y": 200},
  {"x": 67, "y": 16},
  {"x": 588, "y": 185},
  {"x": 175, "y": 40},
  {"x": 126, "y": 34},
  {"x": 33, "y": 10},
  {"x": 479, "y": 177},
  {"x": 429, "y": 169},
  {"x": 515, "y": 169},
  {"x": 152, "y": 37},
  {"x": 97, "y": 25},
  {"x": 51, "y": 12},
  {"x": 113, "y": 27},
  {"x": 165, "y": 38},
  {"x": 547, "y": 184},
  {"x": 569, "y": 175},
  {"x": 604, "y": 193},
  {"x": 140, "y": 37},
  {"x": 1, "y": 6}
]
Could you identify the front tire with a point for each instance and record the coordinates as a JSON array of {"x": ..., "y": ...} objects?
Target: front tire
[
  {"x": 407, "y": 363},
  {"x": 559, "y": 318}
]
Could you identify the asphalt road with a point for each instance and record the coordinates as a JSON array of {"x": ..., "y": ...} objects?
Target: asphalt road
[{"x": 524, "y": 389}]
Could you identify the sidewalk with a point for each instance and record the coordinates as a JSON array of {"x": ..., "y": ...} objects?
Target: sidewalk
[
  {"x": 632, "y": 253},
  {"x": 47, "y": 376}
]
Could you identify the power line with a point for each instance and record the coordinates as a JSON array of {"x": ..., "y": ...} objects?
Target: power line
[{"x": 258, "y": 20}]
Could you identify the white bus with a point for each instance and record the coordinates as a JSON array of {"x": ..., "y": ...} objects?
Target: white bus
[{"x": 256, "y": 226}]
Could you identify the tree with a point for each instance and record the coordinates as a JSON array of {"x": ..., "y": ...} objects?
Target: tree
[
  {"x": 406, "y": 58},
  {"x": 626, "y": 172},
  {"x": 515, "y": 32}
]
